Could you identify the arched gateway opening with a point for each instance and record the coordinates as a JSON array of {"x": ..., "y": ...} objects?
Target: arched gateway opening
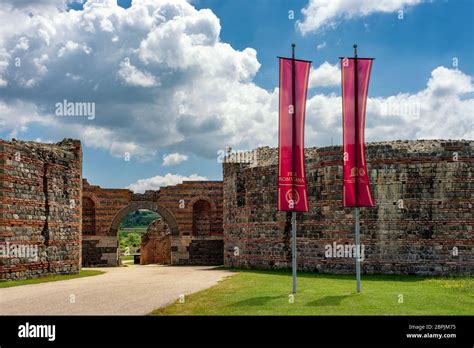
[
  {"x": 186, "y": 230},
  {"x": 156, "y": 242},
  {"x": 134, "y": 228}
]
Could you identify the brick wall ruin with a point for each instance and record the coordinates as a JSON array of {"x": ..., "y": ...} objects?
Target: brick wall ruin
[
  {"x": 99, "y": 244},
  {"x": 192, "y": 210},
  {"x": 156, "y": 244},
  {"x": 422, "y": 223},
  {"x": 40, "y": 208}
]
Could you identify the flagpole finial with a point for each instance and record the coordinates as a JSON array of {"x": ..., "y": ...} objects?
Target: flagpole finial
[{"x": 355, "y": 50}]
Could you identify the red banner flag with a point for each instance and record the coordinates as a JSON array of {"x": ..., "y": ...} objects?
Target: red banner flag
[
  {"x": 355, "y": 84},
  {"x": 292, "y": 194}
]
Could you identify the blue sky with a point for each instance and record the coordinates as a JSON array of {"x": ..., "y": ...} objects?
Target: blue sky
[
  {"x": 135, "y": 77},
  {"x": 430, "y": 34}
]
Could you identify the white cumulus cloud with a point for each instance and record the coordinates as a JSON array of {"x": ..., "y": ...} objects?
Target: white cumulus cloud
[
  {"x": 326, "y": 75},
  {"x": 326, "y": 13},
  {"x": 443, "y": 109},
  {"x": 158, "y": 73},
  {"x": 321, "y": 46},
  {"x": 72, "y": 46},
  {"x": 154, "y": 183},
  {"x": 161, "y": 78},
  {"x": 173, "y": 159},
  {"x": 134, "y": 77}
]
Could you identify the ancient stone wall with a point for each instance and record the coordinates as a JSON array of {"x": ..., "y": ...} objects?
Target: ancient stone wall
[
  {"x": 99, "y": 243},
  {"x": 175, "y": 204},
  {"x": 40, "y": 208},
  {"x": 422, "y": 223},
  {"x": 156, "y": 244},
  {"x": 185, "y": 201}
]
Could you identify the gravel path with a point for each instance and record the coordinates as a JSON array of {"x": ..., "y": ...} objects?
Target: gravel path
[{"x": 134, "y": 290}]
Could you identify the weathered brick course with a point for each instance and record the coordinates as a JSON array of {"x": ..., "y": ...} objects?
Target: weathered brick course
[
  {"x": 40, "y": 207},
  {"x": 156, "y": 244},
  {"x": 422, "y": 224},
  {"x": 424, "y": 215}
]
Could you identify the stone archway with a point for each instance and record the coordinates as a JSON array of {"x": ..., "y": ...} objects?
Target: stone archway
[
  {"x": 202, "y": 218},
  {"x": 152, "y": 206},
  {"x": 165, "y": 214},
  {"x": 203, "y": 198}
]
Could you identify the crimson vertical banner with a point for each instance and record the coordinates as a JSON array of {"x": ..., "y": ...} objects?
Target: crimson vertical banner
[
  {"x": 355, "y": 84},
  {"x": 292, "y": 194}
]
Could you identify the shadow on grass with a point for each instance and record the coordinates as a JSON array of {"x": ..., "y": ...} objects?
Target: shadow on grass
[
  {"x": 328, "y": 301},
  {"x": 256, "y": 301},
  {"x": 211, "y": 268},
  {"x": 369, "y": 277}
]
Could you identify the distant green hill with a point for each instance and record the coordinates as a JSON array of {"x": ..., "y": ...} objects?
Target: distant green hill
[{"x": 139, "y": 218}]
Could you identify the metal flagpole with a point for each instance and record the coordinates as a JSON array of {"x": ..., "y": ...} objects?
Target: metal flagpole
[
  {"x": 293, "y": 213},
  {"x": 293, "y": 249},
  {"x": 357, "y": 232},
  {"x": 357, "y": 209}
]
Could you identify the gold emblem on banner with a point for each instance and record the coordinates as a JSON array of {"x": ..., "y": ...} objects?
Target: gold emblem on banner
[
  {"x": 357, "y": 171},
  {"x": 292, "y": 196}
]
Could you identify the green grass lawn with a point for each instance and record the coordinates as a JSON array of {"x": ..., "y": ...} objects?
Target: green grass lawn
[
  {"x": 49, "y": 278},
  {"x": 267, "y": 293},
  {"x": 128, "y": 261}
]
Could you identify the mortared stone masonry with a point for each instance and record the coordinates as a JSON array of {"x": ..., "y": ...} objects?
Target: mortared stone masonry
[
  {"x": 40, "y": 208},
  {"x": 52, "y": 221},
  {"x": 156, "y": 244},
  {"x": 192, "y": 211},
  {"x": 422, "y": 222}
]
